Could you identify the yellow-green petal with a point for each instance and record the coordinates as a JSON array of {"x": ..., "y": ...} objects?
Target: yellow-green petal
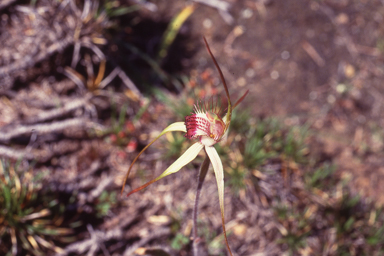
[
  {"x": 183, "y": 160},
  {"x": 178, "y": 126},
  {"x": 219, "y": 173}
]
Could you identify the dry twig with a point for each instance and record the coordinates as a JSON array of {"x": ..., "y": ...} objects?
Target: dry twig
[
  {"x": 58, "y": 126},
  {"x": 160, "y": 232},
  {"x": 311, "y": 51},
  {"x": 221, "y": 6},
  {"x": 55, "y": 113},
  {"x": 6, "y": 3},
  {"x": 95, "y": 242},
  {"x": 15, "y": 154}
]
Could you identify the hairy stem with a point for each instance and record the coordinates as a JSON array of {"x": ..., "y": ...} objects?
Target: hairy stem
[{"x": 202, "y": 173}]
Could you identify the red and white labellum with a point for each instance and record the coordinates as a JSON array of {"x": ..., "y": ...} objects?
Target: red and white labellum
[
  {"x": 208, "y": 126},
  {"x": 197, "y": 125}
]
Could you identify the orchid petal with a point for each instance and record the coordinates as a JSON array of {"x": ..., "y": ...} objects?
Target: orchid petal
[
  {"x": 241, "y": 99},
  {"x": 225, "y": 136},
  {"x": 183, "y": 160},
  {"x": 219, "y": 173},
  {"x": 178, "y": 126},
  {"x": 225, "y": 119},
  {"x": 229, "y": 112}
]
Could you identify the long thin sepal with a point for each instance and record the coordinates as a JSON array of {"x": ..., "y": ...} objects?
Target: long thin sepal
[
  {"x": 229, "y": 113},
  {"x": 178, "y": 126},
  {"x": 183, "y": 160},
  {"x": 241, "y": 99},
  {"x": 225, "y": 117},
  {"x": 219, "y": 173}
]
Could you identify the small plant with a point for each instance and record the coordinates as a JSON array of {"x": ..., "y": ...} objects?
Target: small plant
[
  {"x": 355, "y": 220},
  {"x": 375, "y": 236},
  {"x": 29, "y": 215},
  {"x": 105, "y": 202},
  {"x": 241, "y": 122},
  {"x": 179, "y": 241},
  {"x": 118, "y": 130},
  {"x": 114, "y": 8},
  {"x": 295, "y": 242},
  {"x": 295, "y": 227},
  {"x": 321, "y": 177},
  {"x": 238, "y": 175},
  {"x": 346, "y": 223},
  {"x": 269, "y": 138}
]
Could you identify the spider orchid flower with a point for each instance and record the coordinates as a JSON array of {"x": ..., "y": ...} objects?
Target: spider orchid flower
[{"x": 208, "y": 127}]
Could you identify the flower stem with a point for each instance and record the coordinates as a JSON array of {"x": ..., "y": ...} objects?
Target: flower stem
[{"x": 202, "y": 173}]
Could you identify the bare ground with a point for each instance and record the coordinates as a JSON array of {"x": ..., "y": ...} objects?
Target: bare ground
[{"x": 314, "y": 63}]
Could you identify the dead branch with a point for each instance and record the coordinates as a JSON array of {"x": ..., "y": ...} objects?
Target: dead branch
[
  {"x": 109, "y": 78},
  {"x": 147, "y": 5},
  {"x": 160, "y": 232},
  {"x": 29, "y": 61},
  {"x": 6, "y": 3},
  {"x": 55, "y": 113},
  {"x": 97, "y": 238},
  {"x": 15, "y": 154},
  {"x": 103, "y": 184},
  {"x": 44, "y": 128},
  {"x": 128, "y": 82},
  {"x": 311, "y": 51}
]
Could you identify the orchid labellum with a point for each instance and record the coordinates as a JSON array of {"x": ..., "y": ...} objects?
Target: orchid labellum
[{"x": 208, "y": 125}]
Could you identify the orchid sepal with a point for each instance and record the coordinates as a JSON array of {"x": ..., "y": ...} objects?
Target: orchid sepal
[
  {"x": 229, "y": 111},
  {"x": 189, "y": 155},
  {"x": 178, "y": 126},
  {"x": 219, "y": 174}
]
